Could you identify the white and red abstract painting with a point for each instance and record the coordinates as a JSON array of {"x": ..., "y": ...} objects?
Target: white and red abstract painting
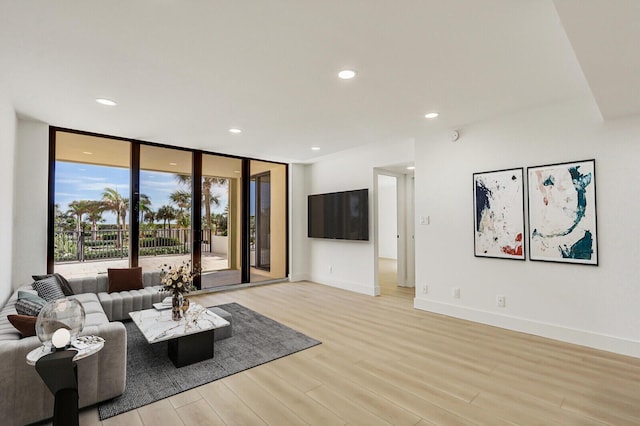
[{"x": 499, "y": 214}]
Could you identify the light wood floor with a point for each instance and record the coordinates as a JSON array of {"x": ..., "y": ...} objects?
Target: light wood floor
[
  {"x": 383, "y": 362},
  {"x": 388, "y": 280}
]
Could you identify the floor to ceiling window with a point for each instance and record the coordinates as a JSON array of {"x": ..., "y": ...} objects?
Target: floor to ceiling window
[
  {"x": 118, "y": 203},
  {"x": 91, "y": 204},
  {"x": 164, "y": 207}
]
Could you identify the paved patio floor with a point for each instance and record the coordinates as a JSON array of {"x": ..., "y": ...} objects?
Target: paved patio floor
[
  {"x": 210, "y": 262},
  {"x": 214, "y": 265}
]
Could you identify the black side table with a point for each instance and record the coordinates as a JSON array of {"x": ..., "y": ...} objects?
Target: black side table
[{"x": 60, "y": 373}]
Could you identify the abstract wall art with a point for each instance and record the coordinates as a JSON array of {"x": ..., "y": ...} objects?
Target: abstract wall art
[
  {"x": 498, "y": 203},
  {"x": 562, "y": 213}
]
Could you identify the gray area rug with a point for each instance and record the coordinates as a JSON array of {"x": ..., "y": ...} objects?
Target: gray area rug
[{"x": 151, "y": 376}]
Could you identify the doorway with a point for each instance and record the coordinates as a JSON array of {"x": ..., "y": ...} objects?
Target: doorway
[{"x": 394, "y": 261}]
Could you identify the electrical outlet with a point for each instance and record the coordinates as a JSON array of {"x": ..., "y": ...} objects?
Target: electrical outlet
[
  {"x": 456, "y": 293},
  {"x": 425, "y": 289},
  {"x": 500, "y": 301}
]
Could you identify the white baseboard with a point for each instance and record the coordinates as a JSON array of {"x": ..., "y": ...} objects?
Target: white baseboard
[
  {"x": 299, "y": 277},
  {"x": 566, "y": 334}
]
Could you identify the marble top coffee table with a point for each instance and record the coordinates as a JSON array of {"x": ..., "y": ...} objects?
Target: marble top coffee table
[{"x": 190, "y": 340}]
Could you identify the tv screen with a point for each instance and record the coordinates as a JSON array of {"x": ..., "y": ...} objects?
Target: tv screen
[{"x": 339, "y": 215}]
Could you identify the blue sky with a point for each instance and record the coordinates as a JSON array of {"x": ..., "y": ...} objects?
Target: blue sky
[{"x": 75, "y": 181}]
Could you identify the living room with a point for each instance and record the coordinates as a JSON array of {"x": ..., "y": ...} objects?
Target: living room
[{"x": 589, "y": 112}]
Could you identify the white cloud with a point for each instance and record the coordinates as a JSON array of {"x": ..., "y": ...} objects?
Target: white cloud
[{"x": 123, "y": 189}]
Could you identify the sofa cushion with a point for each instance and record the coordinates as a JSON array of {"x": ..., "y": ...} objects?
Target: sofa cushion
[
  {"x": 48, "y": 288},
  {"x": 25, "y": 293},
  {"x": 124, "y": 279},
  {"x": 118, "y": 305},
  {"x": 62, "y": 281},
  {"x": 93, "y": 312},
  {"x": 29, "y": 306},
  {"x": 25, "y": 324}
]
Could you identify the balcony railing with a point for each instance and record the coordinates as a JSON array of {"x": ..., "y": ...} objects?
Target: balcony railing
[{"x": 74, "y": 246}]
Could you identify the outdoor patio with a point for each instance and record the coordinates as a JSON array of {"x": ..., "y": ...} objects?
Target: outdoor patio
[
  {"x": 214, "y": 265},
  {"x": 210, "y": 262}
]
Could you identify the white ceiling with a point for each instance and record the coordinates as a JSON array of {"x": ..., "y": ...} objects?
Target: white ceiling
[
  {"x": 606, "y": 38},
  {"x": 184, "y": 72}
]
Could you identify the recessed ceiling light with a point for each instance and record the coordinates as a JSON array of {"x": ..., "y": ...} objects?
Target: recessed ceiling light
[
  {"x": 87, "y": 153},
  {"x": 347, "y": 74},
  {"x": 107, "y": 102},
  {"x": 431, "y": 115},
  {"x": 173, "y": 164},
  {"x": 411, "y": 167},
  {"x": 236, "y": 171},
  {"x": 235, "y": 130},
  {"x": 315, "y": 148}
]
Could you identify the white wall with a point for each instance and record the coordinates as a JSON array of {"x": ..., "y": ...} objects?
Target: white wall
[
  {"x": 298, "y": 246},
  {"x": 350, "y": 264},
  {"x": 220, "y": 244},
  {"x": 387, "y": 217},
  {"x": 593, "y": 306},
  {"x": 30, "y": 192},
  {"x": 7, "y": 153}
]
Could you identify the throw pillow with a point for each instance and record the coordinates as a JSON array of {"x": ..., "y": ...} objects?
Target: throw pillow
[
  {"x": 30, "y": 306},
  {"x": 122, "y": 279},
  {"x": 25, "y": 324},
  {"x": 48, "y": 289},
  {"x": 29, "y": 294},
  {"x": 62, "y": 281}
]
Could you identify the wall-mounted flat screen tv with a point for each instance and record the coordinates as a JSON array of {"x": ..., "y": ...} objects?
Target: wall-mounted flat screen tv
[{"x": 339, "y": 215}]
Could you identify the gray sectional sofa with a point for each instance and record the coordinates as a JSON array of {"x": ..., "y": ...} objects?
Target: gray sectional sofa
[
  {"x": 118, "y": 305},
  {"x": 24, "y": 398}
]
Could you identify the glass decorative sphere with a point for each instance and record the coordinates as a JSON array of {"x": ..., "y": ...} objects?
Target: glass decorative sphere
[{"x": 61, "y": 313}]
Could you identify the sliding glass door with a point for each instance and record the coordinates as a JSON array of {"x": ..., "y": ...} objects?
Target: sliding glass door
[
  {"x": 164, "y": 207},
  {"x": 268, "y": 219},
  {"x": 220, "y": 210},
  {"x": 260, "y": 216},
  {"x": 117, "y": 203}
]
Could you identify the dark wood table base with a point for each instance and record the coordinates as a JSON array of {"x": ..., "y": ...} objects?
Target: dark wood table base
[{"x": 187, "y": 350}]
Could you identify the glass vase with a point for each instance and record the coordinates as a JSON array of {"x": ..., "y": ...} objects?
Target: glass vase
[
  {"x": 185, "y": 306},
  {"x": 176, "y": 304},
  {"x": 61, "y": 313}
]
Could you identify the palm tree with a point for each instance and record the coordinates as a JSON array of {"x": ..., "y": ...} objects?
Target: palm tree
[
  {"x": 166, "y": 214},
  {"x": 149, "y": 216},
  {"x": 94, "y": 215},
  {"x": 182, "y": 199},
  {"x": 79, "y": 208},
  {"x": 63, "y": 220},
  {"x": 144, "y": 206},
  {"x": 207, "y": 196},
  {"x": 116, "y": 203},
  {"x": 124, "y": 209}
]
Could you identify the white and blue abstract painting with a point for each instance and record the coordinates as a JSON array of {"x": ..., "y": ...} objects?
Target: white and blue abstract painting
[
  {"x": 562, "y": 213},
  {"x": 499, "y": 214}
]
